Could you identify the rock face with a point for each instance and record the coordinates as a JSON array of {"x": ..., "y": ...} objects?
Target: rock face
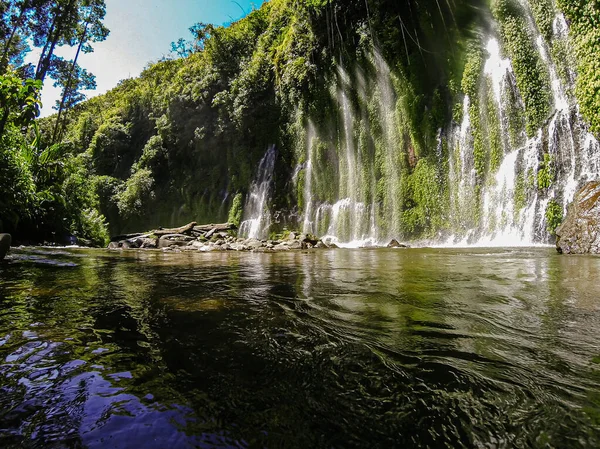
[
  {"x": 5, "y": 241},
  {"x": 580, "y": 231}
]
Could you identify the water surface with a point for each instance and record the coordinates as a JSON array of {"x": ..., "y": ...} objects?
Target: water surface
[{"x": 345, "y": 348}]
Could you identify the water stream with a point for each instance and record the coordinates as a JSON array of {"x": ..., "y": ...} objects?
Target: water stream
[{"x": 348, "y": 348}]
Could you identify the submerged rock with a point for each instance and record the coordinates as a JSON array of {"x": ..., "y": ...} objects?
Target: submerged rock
[
  {"x": 580, "y": 231},
  {"x": 5, "y": 241},
  {"x": 396, "y": 244}
]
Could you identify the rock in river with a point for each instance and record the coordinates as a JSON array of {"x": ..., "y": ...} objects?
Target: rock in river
[
  {"x": 580, "y": 231},
  {"x": 5, "y": 240}
]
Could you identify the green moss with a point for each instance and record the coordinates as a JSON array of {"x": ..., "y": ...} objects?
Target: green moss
[
  {"x": 473, "y": 68},
  {"x": 428, "y": 197},
  {"x": 516, "y": 116},
  {"x": 546, "y": 172},
  {"x": 531, "y": 73},
  {"x": 543, "y": 13},
  {"x": 494, "y": 131},
  {"x": 584, "y": 16},
  {"x": 554, "y": 216}
]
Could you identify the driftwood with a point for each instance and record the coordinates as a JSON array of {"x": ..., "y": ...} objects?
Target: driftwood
[{"x": 190, "y": 228}]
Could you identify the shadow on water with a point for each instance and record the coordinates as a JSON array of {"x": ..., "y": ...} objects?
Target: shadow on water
[{"x": 345, "y": 348}]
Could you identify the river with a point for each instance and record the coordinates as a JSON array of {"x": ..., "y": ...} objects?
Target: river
[{"x": 334, "y": 348}]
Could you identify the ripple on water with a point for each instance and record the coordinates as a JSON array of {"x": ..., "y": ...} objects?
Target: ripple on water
[{"x": 348, "y": 348}]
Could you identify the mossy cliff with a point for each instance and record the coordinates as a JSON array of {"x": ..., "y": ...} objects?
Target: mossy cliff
[{"x": 388, "y": 117}]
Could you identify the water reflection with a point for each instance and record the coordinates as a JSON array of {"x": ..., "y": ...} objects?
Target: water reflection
[{"x": 347, "y": 348}]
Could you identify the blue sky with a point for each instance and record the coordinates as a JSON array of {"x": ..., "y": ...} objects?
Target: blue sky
[{"x": 141, "y": 31}]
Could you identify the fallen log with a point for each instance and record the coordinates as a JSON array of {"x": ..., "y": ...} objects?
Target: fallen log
[
  {"x": 182, "y": 230},
  {"x": 217, "y": 227},
  {"x": 157, "y": 232}
]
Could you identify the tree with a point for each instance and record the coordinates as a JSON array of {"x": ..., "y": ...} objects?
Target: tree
[
  {"x": 90, "y": 29},
  {"x": 201, "y": 32},
  {"x": 73, "y": 79},
  {"x": 13, "y": 33},
  {"x": 55, "y": 24}
]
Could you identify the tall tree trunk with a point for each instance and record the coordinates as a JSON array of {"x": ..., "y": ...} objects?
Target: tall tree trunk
[
  {"x": 66, "y": 91},
  {"x": 4, "y": 60},
  {"x": 46, "y": 57},
  {"x": 45, "y": 50}
]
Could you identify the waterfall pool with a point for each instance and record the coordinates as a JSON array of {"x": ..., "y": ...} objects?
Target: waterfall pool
[{"x": 427, "y": 347}]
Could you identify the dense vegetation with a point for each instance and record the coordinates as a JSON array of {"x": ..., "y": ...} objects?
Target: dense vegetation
[
  {"x": 46, "y": 194},
  {"x": 182, "y": 141}
]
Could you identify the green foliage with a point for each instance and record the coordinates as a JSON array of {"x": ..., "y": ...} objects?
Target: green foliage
[
  {"x": 473, "y": 69},
  {"x": 236, "y": 210},
  {"x": 19, "y": 101},
  {"x": 543, "y": 12},
  {"x": 137, "y": 193},
  {"x": 554, "y": 216},
  {"x": 546, "y": 172},
  {"x": 425, "y": 192},
  {"x": 584, "y": 16}
]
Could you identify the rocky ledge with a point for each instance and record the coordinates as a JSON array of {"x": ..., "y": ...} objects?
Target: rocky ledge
[
  {"x": 213, "y": 237},
  {"x": 220, "y": 237},
  {"x": 580, "y": 231}
]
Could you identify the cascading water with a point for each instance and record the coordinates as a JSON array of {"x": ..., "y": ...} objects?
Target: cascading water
[
  {"x": 516, "y": 196},
  {"x": 495, "y": 184},
  {"x": 257, "y": 216}
]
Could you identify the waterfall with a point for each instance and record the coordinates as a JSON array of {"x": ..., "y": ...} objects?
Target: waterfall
[
  {"x": 257, "y": 216},
  {"x": 514, "y": 202},
  {"x": 357, "y": 166}
]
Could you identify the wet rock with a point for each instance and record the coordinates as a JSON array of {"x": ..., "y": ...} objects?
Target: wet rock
[
  {"x": 292, "y": 236},
  {"x": 396, "y": 244},
  {"x": 321, "y": 245},
  {"x": 253, "y": 243},
  {"x": 174, "y": 240},
  {"x": 296, "y": 244},
  {"x": 196, "y": 244},
  {"x": 148, "y": 243},
  {"x": 580, "y": 231},
  {"x": 333, "y": 246},
  {"x": 5, "y": 241},
  {"x": 281, "y": 247}
]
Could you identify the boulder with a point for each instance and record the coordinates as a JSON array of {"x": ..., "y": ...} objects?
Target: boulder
[
  {"x": 5, "y": 241},
  {"x": 296, "y": 244},
  {"x": 253, "y": 243},
  {"x": 174, "y": 240},
  {"x": 396, "y": 244},
  {"x": 147, "y": 242},
  {"x": 320, "y": 244},
  {"x": 580, "y": 231}
]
